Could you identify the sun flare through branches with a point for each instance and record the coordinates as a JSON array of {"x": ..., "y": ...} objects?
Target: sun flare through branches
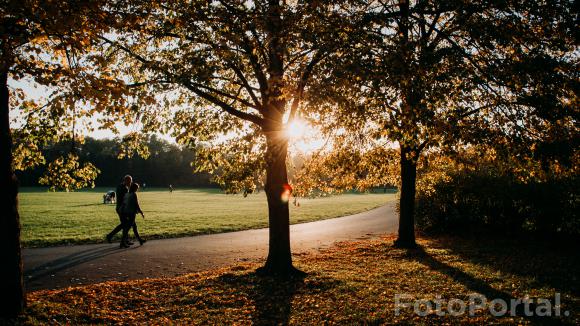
[
  {"x": 303, "y": 137},
  {"x": 296, "y": 129}
]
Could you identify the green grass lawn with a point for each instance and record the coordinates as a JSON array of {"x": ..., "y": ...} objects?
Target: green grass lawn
[{"x": 51, "y": 218}]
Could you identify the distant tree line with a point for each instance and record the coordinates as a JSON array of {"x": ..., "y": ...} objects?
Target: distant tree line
[{"x": 167, "y": 163}]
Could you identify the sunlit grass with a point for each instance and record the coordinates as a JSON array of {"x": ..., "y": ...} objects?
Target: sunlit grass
[{"x": 81, "y": 217}]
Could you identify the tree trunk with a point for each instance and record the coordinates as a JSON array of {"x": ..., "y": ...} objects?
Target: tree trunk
[
  {"x": 278, "y": 191},
  {"x": 11, "y": 281},
  {"x": 406, "y": 238}
]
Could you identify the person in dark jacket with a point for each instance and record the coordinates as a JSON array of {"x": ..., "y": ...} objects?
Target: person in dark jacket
[
  {"x": 130, "y": 209},
  {"x": 120, "y": 192}
]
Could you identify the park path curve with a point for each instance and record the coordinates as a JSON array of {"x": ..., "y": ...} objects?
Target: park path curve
[{"x": 58, "y": 267}]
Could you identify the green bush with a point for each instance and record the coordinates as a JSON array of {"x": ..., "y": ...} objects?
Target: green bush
[{"x": 487, "y": 201}]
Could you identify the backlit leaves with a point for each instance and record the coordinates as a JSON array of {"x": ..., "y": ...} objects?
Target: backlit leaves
[
  {"x": 43, "y": 46},
  {"x": 133, "y": 144},
  {"x": 447, "y": 76},
  {"x": 68, "y": 174}
]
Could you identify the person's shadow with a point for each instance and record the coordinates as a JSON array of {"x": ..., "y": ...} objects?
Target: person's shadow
[{"x": 66, "y": 262}]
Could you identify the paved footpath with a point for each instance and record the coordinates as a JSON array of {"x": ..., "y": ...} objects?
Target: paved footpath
[{"x": 57, "y": 267}]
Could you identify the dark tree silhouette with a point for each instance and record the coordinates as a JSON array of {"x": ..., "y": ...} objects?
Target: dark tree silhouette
[
  {"x": 39, "y": 42},
  {"x": 424, "y": 75}
]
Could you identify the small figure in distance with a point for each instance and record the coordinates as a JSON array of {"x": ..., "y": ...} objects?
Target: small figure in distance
[
  {"x": 130, "y": 209},
  {"x": 109, "y": 197},
  {"x": 170, "y": 188},
  {"x": 296, "y": 202}
]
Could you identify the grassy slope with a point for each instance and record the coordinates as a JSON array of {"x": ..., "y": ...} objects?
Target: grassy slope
[
  {"x": 351, "y": 283},
  {"x": 80, "y": 217}
]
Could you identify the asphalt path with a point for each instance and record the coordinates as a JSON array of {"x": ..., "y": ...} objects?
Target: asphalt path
[{"x": 58, "y": 267}]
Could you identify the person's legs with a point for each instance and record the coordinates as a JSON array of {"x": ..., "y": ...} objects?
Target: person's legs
[
  {"x": 130, "y": 224},
  {"x": 116, "y": 229},
  {"x": 125, "y": 238},
  {"x": 136, "y": 233}
]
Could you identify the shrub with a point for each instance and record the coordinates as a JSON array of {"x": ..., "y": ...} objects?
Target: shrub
[{"x": 484, "y": 201}]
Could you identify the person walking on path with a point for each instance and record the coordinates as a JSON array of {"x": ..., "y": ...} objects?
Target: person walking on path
[
  {"x": 130, "y": 209},
  {"x": 120, "y": 193}
]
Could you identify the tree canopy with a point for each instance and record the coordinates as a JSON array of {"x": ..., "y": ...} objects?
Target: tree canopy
[
  {"x": 444, "y": 75},
  {"x": 229, "y": 76}
]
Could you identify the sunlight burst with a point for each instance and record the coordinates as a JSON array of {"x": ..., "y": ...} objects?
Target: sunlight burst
[
  {"x": 303, "y": 137},
  {"x": 296, "y": 129}
]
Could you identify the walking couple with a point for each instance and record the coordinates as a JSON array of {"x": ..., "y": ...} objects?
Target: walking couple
[{"x": 127, "y": 209}]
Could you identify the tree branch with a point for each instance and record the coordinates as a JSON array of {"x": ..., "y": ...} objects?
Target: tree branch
[
  {"x": 126, "y": 49},
  {"x": 218, "y": 92},
  {"x": 240, "y": 75},
  {"x": 465, "y": 54},
  {"x": 260, "y": 76},
  {"x": 227, "y": 108},
  {"x": 303, "y": 80}
]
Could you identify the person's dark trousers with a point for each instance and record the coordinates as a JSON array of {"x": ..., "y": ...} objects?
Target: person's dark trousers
[
  {"x": 134, "y": 225},
  {"x": 127, "y": 222},
  {"x": 117, "y": 228}
]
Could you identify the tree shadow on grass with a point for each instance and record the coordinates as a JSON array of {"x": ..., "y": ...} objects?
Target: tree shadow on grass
[
  {"x": 272, "y": 296},
  {"x": 477, "y": 285},
  {"x": 548, "y": 263}
]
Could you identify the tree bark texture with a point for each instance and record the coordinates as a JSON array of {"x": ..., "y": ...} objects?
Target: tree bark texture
[
  {"x": 278, "y": 191},
  {"x": 406, "y": 237},
  {"x": 11, "y": 279}
]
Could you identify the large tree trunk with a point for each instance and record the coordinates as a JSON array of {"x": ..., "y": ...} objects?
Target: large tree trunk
[
  {"x": 406, "y": 238},
  {"x": 11, "y": 281},
  {"x": 279, "y": 260}
]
